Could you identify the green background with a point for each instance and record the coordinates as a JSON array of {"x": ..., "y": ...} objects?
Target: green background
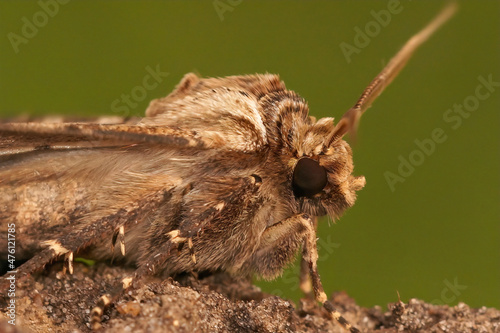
[{"x": 440, "y": 226}]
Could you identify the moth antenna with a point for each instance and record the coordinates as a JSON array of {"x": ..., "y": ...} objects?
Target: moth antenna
[{"x": 349, "y": 121}]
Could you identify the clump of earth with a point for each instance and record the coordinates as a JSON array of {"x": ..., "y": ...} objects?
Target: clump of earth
[{"x": 56, "y": 302}]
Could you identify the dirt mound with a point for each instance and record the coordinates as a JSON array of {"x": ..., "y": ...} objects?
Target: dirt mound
[{"x": 54, "y": 302}]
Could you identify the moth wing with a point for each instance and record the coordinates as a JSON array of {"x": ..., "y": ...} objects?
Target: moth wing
[
  {"x": 55, "y": 174},
  {"x": 224, "y": 111},
  {"x": 19, "y": 138},
  {"x": 52, "y": 172}
]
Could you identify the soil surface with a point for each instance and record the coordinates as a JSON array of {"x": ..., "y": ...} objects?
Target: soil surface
[{"x": 55, "y": 302}]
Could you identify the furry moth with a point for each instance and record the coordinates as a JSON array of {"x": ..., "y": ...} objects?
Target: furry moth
[{"x": 223, "y": 174}]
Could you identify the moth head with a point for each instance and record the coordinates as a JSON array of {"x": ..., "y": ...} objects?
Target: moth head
[{"x": 322, "y": 179}]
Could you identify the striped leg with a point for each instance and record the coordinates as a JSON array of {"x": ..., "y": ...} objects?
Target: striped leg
[
  {"x": 310, "y": 256},
  {"x": 108, "y": 299},
  {"x": 174, "y": 240},
  {"x": 305, "y": 278}
]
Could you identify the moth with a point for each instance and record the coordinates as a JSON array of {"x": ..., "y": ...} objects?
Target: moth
[{"x": 224, "y": 174}]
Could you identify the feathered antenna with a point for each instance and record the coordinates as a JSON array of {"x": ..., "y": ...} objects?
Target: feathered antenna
[{"x": 349, "y": 121}]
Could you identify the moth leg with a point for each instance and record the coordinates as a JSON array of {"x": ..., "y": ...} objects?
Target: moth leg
[
  {"x": 54, "y": 250},
  {"x": 310, "y": 255},
  {"x": 278, "y": 245},
  {"x": 121, "y": 236},
  {"x": 36, "y": 263},
  {"x": 191, "y": 250},
  {"x": 68, "y": 260},
  {"x": 305, "y": 279},
  {"x": 130, "y": 282},
  {"x": 65, "y": 246},
  {"x": 108, "y": 299}
]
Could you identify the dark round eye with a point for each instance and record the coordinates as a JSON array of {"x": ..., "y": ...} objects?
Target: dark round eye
[{"x": 309, "y": 178}]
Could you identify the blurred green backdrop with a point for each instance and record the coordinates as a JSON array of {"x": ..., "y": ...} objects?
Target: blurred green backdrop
[{"x": 434, "y": 236}]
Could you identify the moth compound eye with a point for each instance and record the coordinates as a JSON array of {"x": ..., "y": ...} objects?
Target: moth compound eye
[{"x": 309, "y": 178}]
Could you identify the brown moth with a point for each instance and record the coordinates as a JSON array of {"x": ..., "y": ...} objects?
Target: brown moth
[{"x": 224, "y": 174}]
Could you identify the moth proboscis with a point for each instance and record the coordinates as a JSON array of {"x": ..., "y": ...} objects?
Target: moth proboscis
[{"x": 224, "y": 174}]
